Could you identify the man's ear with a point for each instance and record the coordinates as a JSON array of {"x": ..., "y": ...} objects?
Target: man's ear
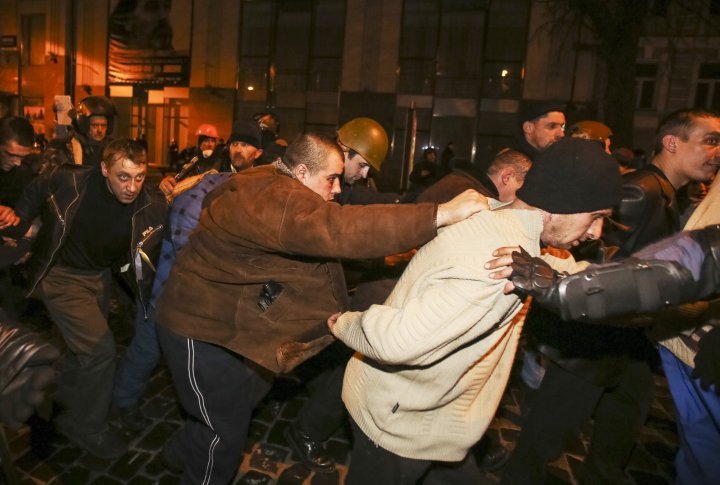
[
  {"x": 301, "y": 172},
  {"x": 258, "y": 154},
  {"x": 528, "y": 127},
  {"x": 670, "y": 143},
  {"x": 104, "y": 169},
  {"x": 506, "y": 175}
]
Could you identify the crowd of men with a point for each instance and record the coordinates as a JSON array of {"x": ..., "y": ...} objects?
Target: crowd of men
[{"x": 243, "y": 261}]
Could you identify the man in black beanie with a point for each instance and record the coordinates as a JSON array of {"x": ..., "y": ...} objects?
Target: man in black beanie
[
  {"x": 432, "y": 361},
  {"x": 542, "y": 123},
  {"x": 244, "y": 147},
  {"x": 605, "y": 371}
]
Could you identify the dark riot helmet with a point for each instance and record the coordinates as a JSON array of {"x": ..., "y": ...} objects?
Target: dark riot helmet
[{"x": 95, "y": 106}]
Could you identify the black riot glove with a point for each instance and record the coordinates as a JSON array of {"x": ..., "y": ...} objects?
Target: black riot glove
[
  {"x": 534, "y": 277},
  {"x": 707, "y": 360}
]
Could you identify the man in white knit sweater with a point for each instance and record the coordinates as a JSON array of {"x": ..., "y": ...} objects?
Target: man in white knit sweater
[{"x": 433, "y": 361}]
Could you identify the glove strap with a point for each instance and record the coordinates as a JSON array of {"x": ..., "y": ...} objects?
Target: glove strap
[{"x": 631, "y": 286}]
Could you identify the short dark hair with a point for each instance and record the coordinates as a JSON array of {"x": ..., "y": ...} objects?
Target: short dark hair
[
  {"x": 17, "y": 129},
  {"x": 122, "y": 148},
  {"x": 679, "y": 123},
  {"x": 311, "y": 149}
]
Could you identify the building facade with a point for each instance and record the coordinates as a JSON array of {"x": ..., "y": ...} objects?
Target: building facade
[{"x": 431, "y": 71}]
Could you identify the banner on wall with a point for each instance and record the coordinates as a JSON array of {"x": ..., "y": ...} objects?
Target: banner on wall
[{"x": 149, "y": 42}]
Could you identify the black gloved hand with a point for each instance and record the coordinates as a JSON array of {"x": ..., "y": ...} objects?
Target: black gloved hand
[
  {"x": 534, "y": 277},
  {"x": 707, "y": 360}
]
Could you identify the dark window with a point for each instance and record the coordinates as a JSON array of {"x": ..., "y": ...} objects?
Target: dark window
[
  {"x": 709, "y": 71},
  {"x": 418, "y": 47},
  {"x": 702, "y": 94},
  {"x": 659, "y": 7},
  {"x": 33, "y": 38},
  {"x": 714, "y": 7},
  {"x": 645, "y": 81},
  {"x": 707, "y": 89},
  {"x": 290, "y": 48},
  {"x": 502, "y": 80}
]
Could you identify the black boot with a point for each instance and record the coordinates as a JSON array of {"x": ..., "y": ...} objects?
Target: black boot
[
  {"x": 491, "y": 456},
  {"x": 312, "y": 453}
]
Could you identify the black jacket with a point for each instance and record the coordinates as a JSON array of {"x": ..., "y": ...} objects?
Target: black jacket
[
  {"x": 56, "y": 196},
  {"x": 521, "y": 145},
  {"x": 648, "y": 212}
]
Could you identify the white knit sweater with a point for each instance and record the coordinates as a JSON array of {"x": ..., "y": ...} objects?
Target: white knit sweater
[{"x": 433, "y": 361}]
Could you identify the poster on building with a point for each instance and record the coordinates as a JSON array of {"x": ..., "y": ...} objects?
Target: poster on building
[{"x": 150, "y": 42}]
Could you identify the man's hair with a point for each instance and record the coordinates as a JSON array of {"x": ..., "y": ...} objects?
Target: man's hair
[
  {"x": 124, "y": 148},
  {"x": 509, "y": 158},
  {"x": 680, "y": 123},
  {"x": 311, "y": 149},
  {"x": 17, "y": 129}
]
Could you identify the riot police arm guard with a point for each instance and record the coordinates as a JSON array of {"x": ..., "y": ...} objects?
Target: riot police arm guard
[
  {"x": 613, "y": 289},
  {"x": 26, "y": 370}
]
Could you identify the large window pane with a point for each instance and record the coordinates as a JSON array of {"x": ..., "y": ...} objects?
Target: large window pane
[
  {"x": 257, "y": 28},
  {"x": 329, "y": 28},
  {"x": 507, "y": 28},
  {"x": 419, "y": 29},
  {"x": 33, "y": 37}
]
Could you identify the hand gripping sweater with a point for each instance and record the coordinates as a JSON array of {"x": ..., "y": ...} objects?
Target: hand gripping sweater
[{"x": 433, "y": 361}]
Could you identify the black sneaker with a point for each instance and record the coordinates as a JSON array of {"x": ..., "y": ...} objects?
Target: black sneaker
[
  {"x": 490, "y": 455},
  {"x": 107, "y": 444},
  {"x": 311, "y": 453},
  {"x": 130, "y": 418}
]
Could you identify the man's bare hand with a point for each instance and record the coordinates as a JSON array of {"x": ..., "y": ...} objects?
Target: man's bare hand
[
  {"x": 502, "y": 264},
  {"x": 168, "y": 184},
  {"x": 8, "y": 218},
  {"x": 461, "y": 207},
  {"x": 332, "y": 320}
]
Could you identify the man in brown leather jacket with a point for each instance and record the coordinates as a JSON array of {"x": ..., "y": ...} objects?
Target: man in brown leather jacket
[{"x": 255, "y": 284}]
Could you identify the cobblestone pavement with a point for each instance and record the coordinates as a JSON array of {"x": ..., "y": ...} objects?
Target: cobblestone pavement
[{"x": 42, "y": 457}]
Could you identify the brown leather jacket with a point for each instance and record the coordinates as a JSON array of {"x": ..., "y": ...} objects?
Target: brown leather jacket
[
  {"x": 456, "y": 183},
  {"x": 264, "y": 226}
]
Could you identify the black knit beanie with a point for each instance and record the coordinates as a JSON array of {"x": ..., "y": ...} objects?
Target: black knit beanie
[
  {"x": 246, "y": 131},
  {"x": 571, "y": 176},
  {"x": 533, "y": 109}
]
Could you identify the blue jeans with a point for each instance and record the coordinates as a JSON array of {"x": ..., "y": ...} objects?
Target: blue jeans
[
  {"x": 698, "y": 422},
  {"x": 139, "y": 361}
]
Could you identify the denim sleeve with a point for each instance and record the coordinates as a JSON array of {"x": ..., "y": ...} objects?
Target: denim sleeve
[{"x": 681, "y": 248}]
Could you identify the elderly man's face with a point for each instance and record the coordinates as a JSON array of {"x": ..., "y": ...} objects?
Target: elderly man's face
[
  {"x": 545, "y": 130},
  {"x": 12, "y": 154},
  {"x": 243, "y": 155},
  {"x": 568, "y": 230}
]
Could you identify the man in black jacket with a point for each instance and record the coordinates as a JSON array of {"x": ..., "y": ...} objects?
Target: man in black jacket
[
  {"x": 95, "y": 222},
  {"x": 542, "y": 123},
  {"x": 602, "y": 370},
  {"x": 16, "y": 144}
]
